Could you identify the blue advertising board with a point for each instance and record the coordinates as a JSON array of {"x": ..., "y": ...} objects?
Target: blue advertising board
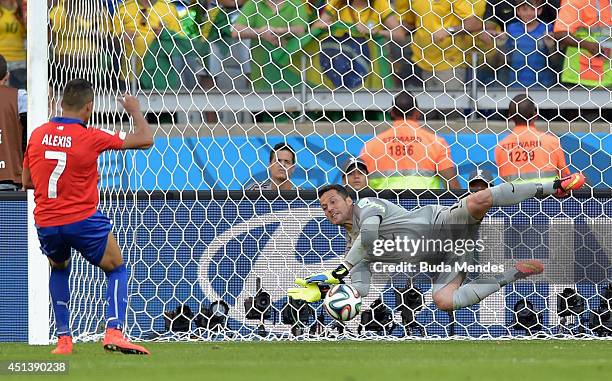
[{"x": 196, "y": 250}]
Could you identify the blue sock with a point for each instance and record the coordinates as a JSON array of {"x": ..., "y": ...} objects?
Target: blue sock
[
  {"x": 60, "y": 296},
  {"x": 116, "y": 296}
]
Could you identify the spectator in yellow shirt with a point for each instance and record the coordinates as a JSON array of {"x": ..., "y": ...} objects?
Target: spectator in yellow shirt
[
  {"x": 78, "y": 33},
  {"x": 372, "y": 20},
  {"x": 374, "y": 17},
  {"x": 442, "y": 35},
  {"x": 137, "y": 23},
  {"x": 12, "y": 42}
]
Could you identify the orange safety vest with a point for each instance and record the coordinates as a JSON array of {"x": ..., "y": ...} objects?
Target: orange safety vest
[
  {"x": 530, "y": 155},
  {"x": 406, "y": 156}
]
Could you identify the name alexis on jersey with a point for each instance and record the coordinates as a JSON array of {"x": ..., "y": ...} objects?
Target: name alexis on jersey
[{"x": 57, "y": 141}]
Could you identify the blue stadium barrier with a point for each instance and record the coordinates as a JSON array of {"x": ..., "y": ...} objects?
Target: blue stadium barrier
[{"x": 185, "y": 163}]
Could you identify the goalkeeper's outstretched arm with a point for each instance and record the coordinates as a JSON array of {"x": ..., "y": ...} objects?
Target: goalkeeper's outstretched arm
[
  {"x": 361, "y": 277},
  {"x": 364, "y": 242},
  {"x": 355, "y": 261},
  {"x": 354, "y": 264}
]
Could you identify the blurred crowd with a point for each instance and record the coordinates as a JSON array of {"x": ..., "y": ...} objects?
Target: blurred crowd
[{"x": 284, "y": 44}]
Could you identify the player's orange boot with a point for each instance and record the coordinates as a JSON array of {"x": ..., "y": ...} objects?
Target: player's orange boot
[
  {"x": 529, "y": 267},
  {"x": 114, "y": 341},
  {"x": 64, "y": 346},
  {"x": 569, "y": 183}
]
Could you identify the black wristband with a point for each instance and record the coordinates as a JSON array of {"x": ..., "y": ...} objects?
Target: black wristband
[
  {"x": 340, "y": 272},
  {"x": 323, "y": 288}
]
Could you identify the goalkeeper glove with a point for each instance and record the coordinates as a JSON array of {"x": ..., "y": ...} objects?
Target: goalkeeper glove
[
  {"x": 328, "y": 277},
  {"x": 310, "y": 293}
]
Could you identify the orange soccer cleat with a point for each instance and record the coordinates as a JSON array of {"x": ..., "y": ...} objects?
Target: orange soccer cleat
[
  {"x": 64, "y": 346},
  {"x": 529, "y": 267},
  {"x": 569, "y": 183},
  {"x": 114, "y": 341}
]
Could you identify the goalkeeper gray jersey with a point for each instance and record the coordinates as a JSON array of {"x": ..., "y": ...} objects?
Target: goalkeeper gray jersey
[{"x": 395, "y": 221}]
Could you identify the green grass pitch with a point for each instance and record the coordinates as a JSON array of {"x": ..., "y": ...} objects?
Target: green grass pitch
[{"x": 331, "y": 361}]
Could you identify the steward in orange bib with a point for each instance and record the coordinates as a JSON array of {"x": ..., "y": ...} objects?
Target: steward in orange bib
[
  {"x": 527, "y": 154},
  {"x": 408, "y": 156}
]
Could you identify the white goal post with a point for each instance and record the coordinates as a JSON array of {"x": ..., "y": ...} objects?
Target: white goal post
[{"x": 39, "y": 316}]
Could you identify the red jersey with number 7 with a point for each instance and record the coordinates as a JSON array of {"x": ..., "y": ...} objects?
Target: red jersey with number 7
[{"x": 62, "y": 156}]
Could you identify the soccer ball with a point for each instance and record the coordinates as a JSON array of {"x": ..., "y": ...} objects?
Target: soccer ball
[{"x": 342, "y": 302}]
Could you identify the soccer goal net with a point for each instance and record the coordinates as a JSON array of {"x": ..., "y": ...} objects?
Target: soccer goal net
[{"x": 211, "y": 250}]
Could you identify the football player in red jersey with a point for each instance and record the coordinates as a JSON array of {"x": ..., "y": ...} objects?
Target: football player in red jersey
[{"x": 60, "y": 164}]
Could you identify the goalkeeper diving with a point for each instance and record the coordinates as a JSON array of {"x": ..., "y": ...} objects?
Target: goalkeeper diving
[{"x": 372, "y": 219}]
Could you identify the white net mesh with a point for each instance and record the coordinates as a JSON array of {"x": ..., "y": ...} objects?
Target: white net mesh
[{"x": 222, "y": 83}]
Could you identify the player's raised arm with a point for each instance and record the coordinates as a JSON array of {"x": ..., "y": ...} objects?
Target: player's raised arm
[{"x": 142, "y": 137}]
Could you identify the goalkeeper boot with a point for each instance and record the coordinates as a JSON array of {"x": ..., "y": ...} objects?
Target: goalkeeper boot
[
  {"x": 64, "y": 346},
  {"x": 528, "y": 268},
  {"x": 567, "y": 184},
  {"x": 114, "y": 341}
]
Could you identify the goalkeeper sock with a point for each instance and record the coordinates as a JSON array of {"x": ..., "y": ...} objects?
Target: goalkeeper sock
[
  {"x": 116, "y": 296},
  {"x": 340, "y": 271},
  {"x": 508, "y": 276},
  {"x": 473, "y": 292},
  {"x": 509, "y": 194},
  {"x": 60, "y": 295}
]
